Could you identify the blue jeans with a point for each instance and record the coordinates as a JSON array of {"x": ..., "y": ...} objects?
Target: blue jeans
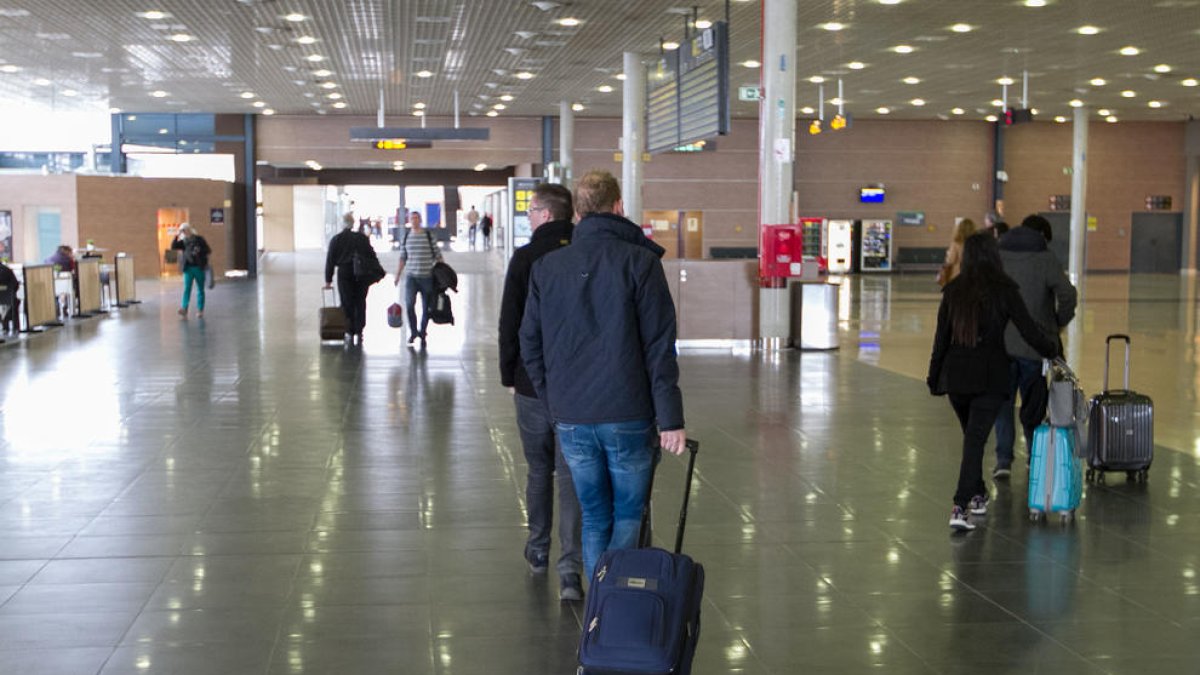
[
  {"x": 193, "y": 274},
  {"x": 547, "y": 468},
  {"x": 413, "y": 286},
  {"x": 1026, "y": 374},
  {"x": 612, "y": 465}
]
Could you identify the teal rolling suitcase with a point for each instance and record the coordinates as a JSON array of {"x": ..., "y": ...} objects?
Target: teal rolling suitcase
[{"x": 1055, "y": 474}]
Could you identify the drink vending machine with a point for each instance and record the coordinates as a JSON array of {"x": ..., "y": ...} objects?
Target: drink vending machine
[
  {"x": 839, "y": 243},
  {"x": 876, "y": 246},
  {"x": 812, "y": 235}
]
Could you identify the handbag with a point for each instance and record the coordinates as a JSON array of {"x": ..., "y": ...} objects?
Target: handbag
[
  {"x": 1066, "y": 405},
  {"x": 395, "y": 315},
  {"x": 367, "y": 269}
]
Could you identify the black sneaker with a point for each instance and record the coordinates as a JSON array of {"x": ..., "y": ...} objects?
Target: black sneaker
[
  {"x": 538, "y": 563},
  {"x": 571, "y": 588}
]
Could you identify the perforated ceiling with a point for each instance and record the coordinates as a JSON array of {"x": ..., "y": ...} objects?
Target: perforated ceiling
[{"x": 246, "y": 55}]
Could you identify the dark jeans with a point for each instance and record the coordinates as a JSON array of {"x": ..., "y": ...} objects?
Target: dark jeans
[
  {"x": 1027, "y": 379},
  {"x": 976, "y": 415},
  {"x": 547, "y": 468},
  {"x": 413, "y": 286},
  {"x": 354, "y": 300}
]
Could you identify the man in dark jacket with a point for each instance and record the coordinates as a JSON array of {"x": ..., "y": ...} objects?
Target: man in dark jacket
[
  {"x": 353, "y": 292},
  {"x": 598, "y": 342},
  {"x": 1051, "y": 300},
  {"x": 550, "y": 213}
]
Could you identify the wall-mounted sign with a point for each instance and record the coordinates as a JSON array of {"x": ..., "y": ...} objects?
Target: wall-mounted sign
[
  {"x": 520, "y": 191},
  {"x": 401, "y": 144},
  {"x": 1091, "y": 223},
  {"x": 915, "y": 218},
  {"x": 750, "y": 93},
  {"x": 1158, "y": 202},
  {"x": 1060, "y": 202},
  {"x": 216, "y": 216}
]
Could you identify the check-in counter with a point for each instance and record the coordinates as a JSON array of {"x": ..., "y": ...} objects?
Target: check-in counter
[{"x": 714, "y": 299}]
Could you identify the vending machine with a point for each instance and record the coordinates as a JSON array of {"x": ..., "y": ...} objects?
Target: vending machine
[
  {"x": 812, "y": 234},
  {"x": 839, "y": 243},
  {"x": 876, "y": 246}
]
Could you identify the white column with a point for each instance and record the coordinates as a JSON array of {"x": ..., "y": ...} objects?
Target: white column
[
  {"x": 776, "y": 153},
  {"x": 633, "y": 136},
  {"x": 1076, "y": 264},
  {"x": 566, "y": 141}
]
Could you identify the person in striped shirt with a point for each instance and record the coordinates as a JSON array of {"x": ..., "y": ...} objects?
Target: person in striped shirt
[{"x": 418, "y": 253}]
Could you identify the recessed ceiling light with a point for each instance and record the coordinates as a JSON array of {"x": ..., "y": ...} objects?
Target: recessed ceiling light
[
  {"x": 322, "y": 73},
  {"x": 114, "y": 111},
  {"x": 703, "y": 24},
  {"x": 334, "y": 96},
  {"x": 259, "y": 104},
  {"x": 182, "y": 37},
  {"x": 247, "y": 94},
  {"x": 890, "y": 2},
  {"x": 1111, "y": 119},
  {"x": 42, "y": 82},
  {"x": 1130, "y": 51},
  {"x": 997, "y": 103},
  {"x": 315, "y": 58},
  {"x": 883, "y": 110},
  {"x": 328, "y": 85},
  {"x": 1034, "y": 111},
  {"x": 52, "y": 36},
  {"x": 418, "y": 113},
  {"x": 492, "y": 113},
  {"x": 911, "y": 80},
  {"x": 499, "y": 106},
  {"x": 1162, "y": 68},
  {"x": 904, "y": 49},
  {"x": 856, "y": 65},
  {"x": 807, "y": 110},
  {"x": 569, "y": 22},
  {"x": 524, "y": 75},
  {"x": 1060, "y": 119},
  {"x": 957, "y": 111},
  {"x": 1075, "y": 103},
  {"x": 670, "y": 45},
  {"x": 835, "y": 101},
  {"x": 153, "y": 15},
  {"x": 73, "y": 93},
  {"x": 1128, "y": 93},
  {"x": 86, "y": 55},
  {"x": 295, "y": 17},
  {"x": 832, "y": 26},
  {"x": 620, "y": 76},
  {"x": 424, "y": 74},
  {"x": 159, "y": 93},
  {"x": 480, "y": 167},
  {"x": 506, "y": 97},
  {"x": 1155, "y": 104},
  {"x": 751, "y": 64},
  {"x": 269, "y": 111},
  {"x": 991, "y": 118},
  {"x": 962, "y": 28},
  {"x": 816, "y": 79},
  {"x": 577, "y": 107},
  {"x": 1098, "y": 81},
  {"x": 339, "y": 105},
  {"x": 1104, "y": 112},
  {"x": 1190, "y": 82},
  {"x": 1087, "y": 30},
  {"x": 917, "y": 102},
  {"x": 604, "y": 89},
  {"x": 305, "y": 40},
  {"x": 418, "y": 106},
  {"x": 1005, "y": 81},
  {"x": 1035, "y": 3}
]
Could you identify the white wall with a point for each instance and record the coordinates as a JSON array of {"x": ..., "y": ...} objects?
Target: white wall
[{"x": 309, "y": 217}]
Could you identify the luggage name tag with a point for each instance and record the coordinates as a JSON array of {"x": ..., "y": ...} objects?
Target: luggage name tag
[{"x": 639, "y": 583}]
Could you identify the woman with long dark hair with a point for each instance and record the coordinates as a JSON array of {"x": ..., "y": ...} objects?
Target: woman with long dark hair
[{"x": 970, "y": 364}]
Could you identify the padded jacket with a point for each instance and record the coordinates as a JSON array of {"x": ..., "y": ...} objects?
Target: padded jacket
[
  {"x": 342, "y": 248},
  {"x": 598, "y": 335},
  {"x": 1048, "y": 294},
  {"x": 546, "y": 238},
  {"x": 984, "y": 367}
]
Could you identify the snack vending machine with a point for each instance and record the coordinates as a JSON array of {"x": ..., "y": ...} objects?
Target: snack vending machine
[
  {"x": 839, "y": 243},
  {"x": 876, "y": 246},
  {"x": 812, "y": 234}
]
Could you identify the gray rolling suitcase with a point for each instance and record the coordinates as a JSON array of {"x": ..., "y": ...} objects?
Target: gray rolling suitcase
[{"x": 1120, "y": 427}]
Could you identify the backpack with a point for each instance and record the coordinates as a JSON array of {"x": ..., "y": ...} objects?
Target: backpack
[{"x": 440, "y": 311}]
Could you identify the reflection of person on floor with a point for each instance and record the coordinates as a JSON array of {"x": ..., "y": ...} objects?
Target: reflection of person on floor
[
  {"x": 353, "y": 293},
  {"x": 550, "y": 213},
  {"x": 418, "y": 253},
  {"x": 195, "y": 265},
  {"x": 8, "y": 296}
]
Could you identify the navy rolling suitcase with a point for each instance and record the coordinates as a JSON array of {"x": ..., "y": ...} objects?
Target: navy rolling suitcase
[
  {"x": 642, "y": 615},
  {"x": 1120, "y": 427}
]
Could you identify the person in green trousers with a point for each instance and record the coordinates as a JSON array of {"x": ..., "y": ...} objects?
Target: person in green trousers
[{"x": 194, "y": 262}]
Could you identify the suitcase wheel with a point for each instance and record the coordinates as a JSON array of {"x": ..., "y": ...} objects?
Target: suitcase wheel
[
  {"x": 1066, "y": 517},
  {"x": 1035, "y": 515}
]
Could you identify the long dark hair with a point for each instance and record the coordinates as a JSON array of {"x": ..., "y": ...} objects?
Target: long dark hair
[{"x": 981, "y": 274}]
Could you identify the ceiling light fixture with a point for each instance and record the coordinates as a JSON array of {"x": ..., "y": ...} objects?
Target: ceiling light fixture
[
  {"x": 890, "y": 2},
  {"x": 295, "y": 17},
  {"x": 1060, "y": 119},
  {"x": 998, "y": 103},
  {"x": 269, "y": 111},
  {"x": 703, "y": 24},
  {"x": 153, "y": 15},
  {"x": 1128, "y": 93},
  {"x": 315, "y": 58},
  {"x": 807, "y": 110},
  {"x": 670, "y": 45},
  {"x": 962, "y": 28},
  {"x": 1035, "y": 3},
  {"x": 259, "y": 104},
  {"x": 492, "y": 113},
  {"x": 334, "y": 96},
  {"x": 620, "y": 76},
  {"x": 1155, "y": 104},
  {"x": 524, "y": 75},
  {"x": 329, "y": 85},
  {"x": 569, "y": 22},
  {"x": 424, "y": 74},
  {"x": 816, "y": 79},
  {"x": 70, "y": 93},
  {"x": 833, "y": 26},
  {"x": 1111, "y": 119},
  {"x": 322, "y": 73},
  {"x": 1130, "y": 51},
  {"x": 957, "y": 111},
  {"x": 917, "y": 102},
  {"x": 883, "y": 110},
  {"x": 418, "y": 113},
  {"x": 577, "y": 107},
  {"x": 339, "y": 105},
  {"x": 1075, "y": 103},
  {"x": 751, "y": 64},
  {"x": 904, "y": 49},
  {"x": 835, "y": 101},
  {"x": 506, "y": 97},
  {"x": 181, "y": 37},
  {"x": 1104, "y": 112},
  {"x": 911, "y": 80},
  {"x": 499, "y": 106},
  {"x": 1005, "y": 81},
  {"x": 159, "y": 93},
  {"x": 1087, "y": 30},
  {"x": 247, "y": 94},
  {"x": 419, "y": 105},
  {"x": 1098, "y": 81},
  {"x": 991, "y": 118},
  {"x": 604, "y": 89},
  {"x": 42, "y": 82},
  {"x": 1162, "y": 68},
  {"x": 480, "y": 167},
  {"x": 856, "y": 65},
  {"x": 305, "y": 40},
  {"x": 1190, "y": 82}
]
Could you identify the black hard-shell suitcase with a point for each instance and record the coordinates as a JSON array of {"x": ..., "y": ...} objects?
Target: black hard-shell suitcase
[
  {"x": 642, "y": 615},
  {"x": 331, "y": 320},
  {"x": 1120, "y": 427}
]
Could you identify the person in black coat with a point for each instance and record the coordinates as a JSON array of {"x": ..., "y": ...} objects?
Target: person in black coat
[
  {"x": 353, "y": 292},
  {"x": 550, "y": 212},
  {"x": 969, "y": 361}
]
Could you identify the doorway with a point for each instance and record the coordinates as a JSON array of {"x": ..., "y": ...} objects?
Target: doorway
[
  {"x": 681, "y": 233},
  {"x": 1156, "y": 243},
  {"x": 169, "y": 221}
]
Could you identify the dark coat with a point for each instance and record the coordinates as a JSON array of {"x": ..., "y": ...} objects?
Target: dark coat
[
  {"x": 550, "y": 236},
  {"x": 1048, "y": 294},
  {"x": 982, "y": 368},
  {"x": 195, "y": 251},
  {"x": 342, "y": 248},
  {"x": 598, "y": 336}
]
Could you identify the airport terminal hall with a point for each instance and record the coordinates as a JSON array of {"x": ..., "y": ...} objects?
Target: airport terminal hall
[{"x": 599, "y": 337}]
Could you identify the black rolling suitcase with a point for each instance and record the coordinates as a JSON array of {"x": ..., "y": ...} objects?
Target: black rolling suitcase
[
  {"x": 642, "y": 615},
  {"x": 1120, "y": 427}
]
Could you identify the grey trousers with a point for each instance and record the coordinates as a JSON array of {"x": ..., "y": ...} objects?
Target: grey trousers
[{"x": 547, "y": 468}]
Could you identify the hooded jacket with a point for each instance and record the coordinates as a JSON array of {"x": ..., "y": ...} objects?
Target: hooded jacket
[
  {"x": 598, "y": 336},
  {"x": 1043, "y": 284},
  {"x": 546, "y": 238}
]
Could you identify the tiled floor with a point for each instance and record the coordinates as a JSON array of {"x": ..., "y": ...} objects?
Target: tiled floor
[{"x": 228, "y": 496}]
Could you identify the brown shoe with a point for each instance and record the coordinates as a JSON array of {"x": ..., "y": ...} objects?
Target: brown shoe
[{"x": 183, "y": 311}]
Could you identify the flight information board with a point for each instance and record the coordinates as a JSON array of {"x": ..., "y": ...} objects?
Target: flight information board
[{"x": 687, "y": 97}]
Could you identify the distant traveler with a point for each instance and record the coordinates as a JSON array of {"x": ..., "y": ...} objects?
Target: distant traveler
[
  {"x": 598, "y": 343},
  {"x": 964, "y": 229},
  {"x": 194, "y": 262},
  {"x": 1051, "y": 299},
  {"x": 63, "y": 259},
  {"x": 550, "y": 213},
  {"x": 418, "y": 253},
  {"x": 485, "y": 228},
  {"x": 473, "y": 223},
  {"x": 969, "y": 362},
  {"x": 352, "y": 290},
  {"x": 8, "y": 296}
]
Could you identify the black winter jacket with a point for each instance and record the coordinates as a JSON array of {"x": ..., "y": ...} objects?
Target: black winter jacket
[
  {"x": 195, "y": 251},
  {"x": 982, "y": 368},
  {"x": 546, "y": 238},
  {"x": 342, "y": 249},
  {"x": 1048, "y": 294},
  {"x": 598, "y": 336}
]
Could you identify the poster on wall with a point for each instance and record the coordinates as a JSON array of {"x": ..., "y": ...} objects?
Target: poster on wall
[
  {"x": 216, "y": 216},
  {"x": 6, "y": 235}
]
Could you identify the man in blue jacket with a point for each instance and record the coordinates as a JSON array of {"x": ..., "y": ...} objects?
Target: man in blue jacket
[{"x": 598, "y": 342}]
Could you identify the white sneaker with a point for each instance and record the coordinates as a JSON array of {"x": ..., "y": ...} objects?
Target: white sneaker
[
  {"x": 978, "y": 505},
  {"x": 960, "y": 520}
]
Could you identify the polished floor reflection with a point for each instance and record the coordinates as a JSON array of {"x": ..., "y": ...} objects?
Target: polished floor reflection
[{"x": 229, "y": 496}]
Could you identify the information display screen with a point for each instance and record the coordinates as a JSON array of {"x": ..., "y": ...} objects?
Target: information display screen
[{"x": 687, "y": 97}]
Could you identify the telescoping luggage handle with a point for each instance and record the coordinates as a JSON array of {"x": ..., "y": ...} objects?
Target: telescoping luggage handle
[
  {"x": 331, "y": 293},
  {"x": 693, "y": 447},
  {"x": 1107, "y": 344}
]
